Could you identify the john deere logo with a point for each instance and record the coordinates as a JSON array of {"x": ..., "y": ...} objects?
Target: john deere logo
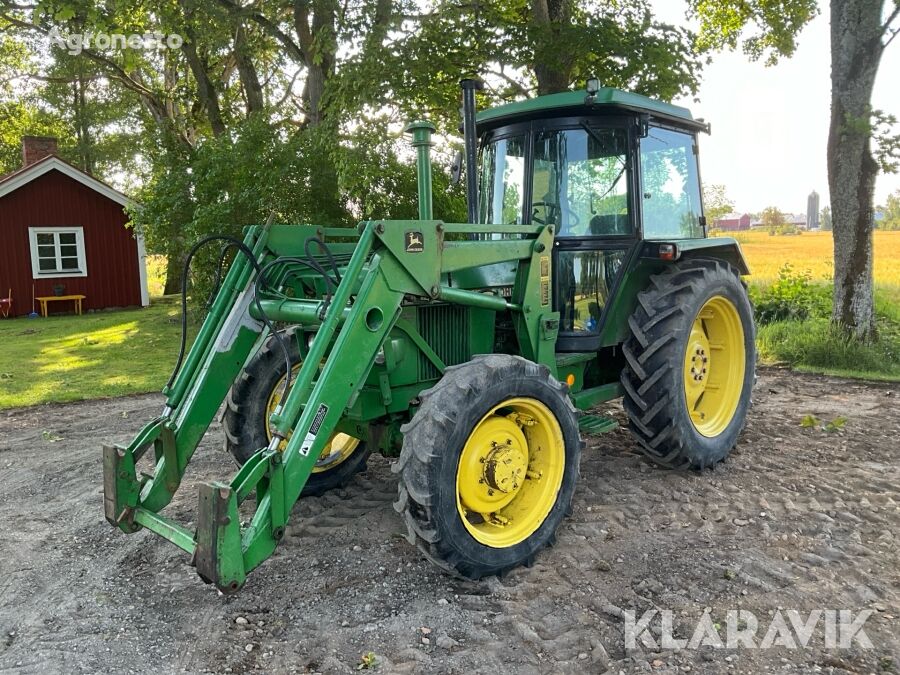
[{"x": 414, "y": 242}]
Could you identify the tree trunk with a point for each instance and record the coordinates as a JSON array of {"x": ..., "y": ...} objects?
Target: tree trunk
[
  {"x": 552, "y": 67},
  {"x": 247, "y": 71},
  {"x": 318, "y": 43},
  {"x": 174, "y": 266},
  {"x": 82, "y": 123},
  {"x": 206, "y": 91},
  {"x": 856, "y": 50},
  {"x": 316, "y": 26}
]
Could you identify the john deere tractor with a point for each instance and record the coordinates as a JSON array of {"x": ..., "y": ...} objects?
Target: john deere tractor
[{"x": 468, "y": 352}]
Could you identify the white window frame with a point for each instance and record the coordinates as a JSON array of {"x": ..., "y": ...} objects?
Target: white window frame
[{"x": 36, "y": 272}]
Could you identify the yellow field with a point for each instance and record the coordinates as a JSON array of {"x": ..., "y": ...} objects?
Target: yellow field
[{"x": 814, "y": 251}]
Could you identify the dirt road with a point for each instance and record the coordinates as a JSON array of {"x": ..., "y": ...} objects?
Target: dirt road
[{"x": 798, "y": 518}]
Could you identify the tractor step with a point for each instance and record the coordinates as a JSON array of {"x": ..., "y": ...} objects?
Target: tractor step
[{"x": 596, "y": 424}]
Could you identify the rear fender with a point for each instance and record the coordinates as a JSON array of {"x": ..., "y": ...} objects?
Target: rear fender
[
  {"x": 719, "y": 248},
  {"x": 648, "y": 261}
]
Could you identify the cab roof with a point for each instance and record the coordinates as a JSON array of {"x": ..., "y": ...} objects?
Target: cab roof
[{"x": 580, "y": 103}]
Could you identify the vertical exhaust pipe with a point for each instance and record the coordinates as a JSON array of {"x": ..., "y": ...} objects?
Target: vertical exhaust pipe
[
  {"x": 421, "y": 141},
  {"x": 469, "y": 88}
]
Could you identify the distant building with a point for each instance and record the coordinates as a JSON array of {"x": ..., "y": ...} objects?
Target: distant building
[
  {"x": 733, "y": 222},
  {"x": 812, "y": 211},
  {"x": 798, "y": 220}
]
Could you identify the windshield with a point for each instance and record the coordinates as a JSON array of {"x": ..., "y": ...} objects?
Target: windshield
[{"x": 580, "y": 181}]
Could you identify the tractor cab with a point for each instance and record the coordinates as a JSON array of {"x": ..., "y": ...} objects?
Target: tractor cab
[{"x": 609, "y": 170}]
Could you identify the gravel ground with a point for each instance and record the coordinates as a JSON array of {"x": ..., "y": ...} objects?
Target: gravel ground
[{"x": 798, "y": 518}]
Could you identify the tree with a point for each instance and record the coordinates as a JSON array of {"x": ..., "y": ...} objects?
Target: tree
[
  {"x": 514, "y": 45},
  {"x": 315, "y": 93},
  {"x": 19, "y": 119},
  {"x": 857, "y": 43},
  {"x": 825, "y": 218},
  {"x": 860, "y": 32},
  {"x": 772, "y": 219},
  {"x": 716, "y": 203},
  {"x": 891, "y": 209},
  {"x": 21, "y": 112}
]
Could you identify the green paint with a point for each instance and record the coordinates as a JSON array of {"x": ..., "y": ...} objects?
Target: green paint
[
  {"x": 577, "y": 102},
  {"x": 415, "y": 297}
]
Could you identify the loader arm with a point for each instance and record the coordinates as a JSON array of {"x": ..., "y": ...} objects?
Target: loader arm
[{"x": 386, "y": 266}]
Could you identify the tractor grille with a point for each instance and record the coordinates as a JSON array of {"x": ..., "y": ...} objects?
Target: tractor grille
[{"x": 446, "y": 329}]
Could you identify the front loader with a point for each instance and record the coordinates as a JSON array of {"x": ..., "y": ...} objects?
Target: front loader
[{"x": 469, "y": 352}]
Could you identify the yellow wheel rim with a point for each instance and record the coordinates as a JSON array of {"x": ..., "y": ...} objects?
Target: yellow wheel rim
[
  {"x": 339, "y": 447},
  {"x": 714, "y": 362},
  {"x": 510, "y": 472}
]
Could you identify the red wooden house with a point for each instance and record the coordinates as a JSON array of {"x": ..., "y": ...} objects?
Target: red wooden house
[{"x": 61, "y": 227}]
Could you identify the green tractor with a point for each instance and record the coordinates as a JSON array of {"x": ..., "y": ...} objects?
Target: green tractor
[{"x": 468, "y": 352}]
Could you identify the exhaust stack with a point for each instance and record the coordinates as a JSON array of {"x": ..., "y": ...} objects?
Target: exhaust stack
[
  {"x": 469, "y": 88},
  {"x": 421, "y": 141}
]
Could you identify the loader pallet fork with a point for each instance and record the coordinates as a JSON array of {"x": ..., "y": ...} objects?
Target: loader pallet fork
[{"x": 471, "y": 352}]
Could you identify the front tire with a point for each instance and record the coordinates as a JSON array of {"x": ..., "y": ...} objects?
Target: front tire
[
  {"x": 489, "y": 465},
  {"x": 250, "y": 403},
  {"x": 691, "y": 364}
]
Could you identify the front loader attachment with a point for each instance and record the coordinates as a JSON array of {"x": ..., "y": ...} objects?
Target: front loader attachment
[
  {"x": 351, "y": 318},
  {"x": 223, "y": 551}
]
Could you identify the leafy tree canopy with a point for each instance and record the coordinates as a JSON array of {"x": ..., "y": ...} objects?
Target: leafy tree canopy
[
  {"x": 297, "y": 108},
  {"x": 716, "y": 203}
]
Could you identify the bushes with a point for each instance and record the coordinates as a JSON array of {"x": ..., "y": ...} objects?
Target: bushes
[
  {"x": 792, "y": 296},
  {"x": 794, "y": 317},
  {"x": 784, "y": 230},
  {"x": 298, "y": 176}
]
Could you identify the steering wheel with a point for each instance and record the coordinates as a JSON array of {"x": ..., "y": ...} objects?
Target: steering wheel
[
  {"x": 574, "y": 220},
  {"x": 550, "y": 208}
]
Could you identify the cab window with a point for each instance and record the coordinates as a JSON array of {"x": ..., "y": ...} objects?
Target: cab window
[
  {"x": 580, "y": 181},
  {"x": 671, "y": 185},
  {"x": 503, "y": 181}
]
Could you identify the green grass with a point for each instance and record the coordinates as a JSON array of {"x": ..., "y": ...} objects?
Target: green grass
[
  {"x": 105, "y": 354},
  {"x": 811, "y": 345},
  {"x": 97, "y": 355}
]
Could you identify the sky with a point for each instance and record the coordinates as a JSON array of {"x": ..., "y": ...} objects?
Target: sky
[{"x": 770, "y": 124}]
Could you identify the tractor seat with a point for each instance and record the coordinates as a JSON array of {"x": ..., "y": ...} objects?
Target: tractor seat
[{"x": 614, "y": 223}]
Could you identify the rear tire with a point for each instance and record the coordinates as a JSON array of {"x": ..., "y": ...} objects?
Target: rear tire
[
  {"x": 247, "y": 412},
  {"x": 489, "y": 465},
  {"x": 691, "y": 364}
]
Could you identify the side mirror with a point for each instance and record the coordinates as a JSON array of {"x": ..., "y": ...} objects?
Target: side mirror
[{"x": 456, "y": 169}]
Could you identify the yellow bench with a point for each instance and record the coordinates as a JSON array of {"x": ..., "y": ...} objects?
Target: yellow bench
[{"x": 54, "y": 298}]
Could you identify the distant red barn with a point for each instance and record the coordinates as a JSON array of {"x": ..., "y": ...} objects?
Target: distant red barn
[
  {"x": 733, "y": 222},
  {"x": 62, "y": 227}
]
